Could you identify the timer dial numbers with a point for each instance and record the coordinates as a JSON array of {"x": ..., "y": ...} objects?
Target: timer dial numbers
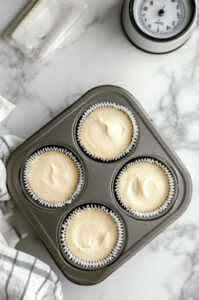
[{"x": 162, "y": 18}]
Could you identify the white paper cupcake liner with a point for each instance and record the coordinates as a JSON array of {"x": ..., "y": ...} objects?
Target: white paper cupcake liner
[
  {"x": 116, "y": 106},
  {"x": 28, "y": 188},
  {"x": 113, "y": 254},
  {"x": 162, "y": 208}
]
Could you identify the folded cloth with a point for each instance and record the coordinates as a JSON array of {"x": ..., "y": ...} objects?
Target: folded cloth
[
  {"x": 7, "y": 144},
  {"x": 5, "y": 108},
  {"x": 22, "y": 276},
  {"x": 25, "y": 277}
]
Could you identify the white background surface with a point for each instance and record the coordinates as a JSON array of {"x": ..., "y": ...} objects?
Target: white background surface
[{"x": 168, "y": 88}]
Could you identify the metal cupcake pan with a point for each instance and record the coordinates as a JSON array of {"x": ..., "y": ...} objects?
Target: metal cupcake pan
[{"x": 98, "y": 182}]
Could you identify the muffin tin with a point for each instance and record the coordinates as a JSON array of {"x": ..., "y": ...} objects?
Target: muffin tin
[{"x": 98, "y": 183}]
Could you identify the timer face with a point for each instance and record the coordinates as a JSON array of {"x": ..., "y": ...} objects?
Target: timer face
[{"x": 162, "y": 19}]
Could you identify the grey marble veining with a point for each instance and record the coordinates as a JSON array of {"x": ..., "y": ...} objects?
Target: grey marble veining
[{"x": 168, "y": 88}]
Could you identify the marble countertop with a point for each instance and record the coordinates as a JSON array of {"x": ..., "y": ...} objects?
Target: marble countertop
[{"x": 167, "y": 86}]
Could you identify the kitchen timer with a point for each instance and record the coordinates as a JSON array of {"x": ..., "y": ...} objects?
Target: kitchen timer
[{"x": 159, "y": 26}]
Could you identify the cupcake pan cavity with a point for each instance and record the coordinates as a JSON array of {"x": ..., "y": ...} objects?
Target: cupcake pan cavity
[
  {"x": 115, "y": 251},
  {"x": 27, "y": 165},
  {"x": 119, "y": 107},
  {"x": 98, "y": 182},
  {"x": 169, "y": 200}
]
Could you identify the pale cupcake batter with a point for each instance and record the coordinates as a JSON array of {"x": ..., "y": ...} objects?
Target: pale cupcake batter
[
  {"x": 106, "y": 133},
  {"x": 143, "y": 186},
  {"x": 91, "y": 235},
  {"x": 53, "y": 176}
]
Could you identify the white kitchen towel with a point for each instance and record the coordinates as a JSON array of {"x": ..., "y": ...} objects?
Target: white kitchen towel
[
  {"x": 21, "y": 276},
  {"x": 5, "y": 108},
  {"x": 25, "y": 277}
]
